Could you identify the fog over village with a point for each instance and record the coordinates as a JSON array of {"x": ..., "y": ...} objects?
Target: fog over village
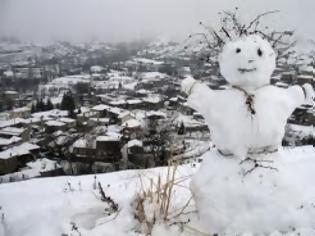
[{"x": 105, "y": 128}]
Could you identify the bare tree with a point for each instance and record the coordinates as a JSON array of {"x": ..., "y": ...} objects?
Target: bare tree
[{"x": 231, "y": 27}]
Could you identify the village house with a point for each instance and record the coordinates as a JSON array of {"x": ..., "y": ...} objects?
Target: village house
[
  {"x": 190, "y": 124},
  {"x": 288, "y": 77},
  {"x": 98, "y": 121},
  {"x": 9, "y": 94},
  {"x": 10, "y": 132},
  {"x": 22, "y": 112},
  {"x": 185, "y": 109},
  {"x": 109, "y": 112},
  {"x": 118, "y": 103},
  {"x": 173, "y": 103},
  {"x": 153, "y": 119},
  {"x": 9, "y": 142},
  {"x": 108, "y": 148},
  {"x": 54, "y": 125},
  {"x": 132, "y": 128},
  {"x": 305, "y": 78},
  {"x": 153, "y": 102},
  {"x": 303, "y": 115},
  {"x": 102, "y": 148},
  {"x": 85, "y": 148},
  {"x": 143, "y": 64},
  {"x": 134, "y": 104},
  {"x": 135, "y": 153},
  {"x": 13, "y": 158}
]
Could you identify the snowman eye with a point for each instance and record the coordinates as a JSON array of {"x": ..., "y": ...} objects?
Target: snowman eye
[
  {"x": 238, "y": 50},
  {"x": 259, "y": 52}
]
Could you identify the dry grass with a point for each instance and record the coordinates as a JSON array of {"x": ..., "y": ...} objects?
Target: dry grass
[{"x": 153, "y": 204}]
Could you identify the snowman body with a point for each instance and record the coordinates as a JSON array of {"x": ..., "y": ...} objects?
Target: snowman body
[{"x": 234, "y": 129}]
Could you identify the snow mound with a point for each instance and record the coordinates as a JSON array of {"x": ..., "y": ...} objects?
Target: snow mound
[
  {"x": 234, "y": 197},
  {"x": 56, "y": 206},
  {"x": 231, "y": 199}
]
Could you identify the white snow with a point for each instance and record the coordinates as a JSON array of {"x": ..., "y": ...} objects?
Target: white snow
[
  {"x": 156, "y": 113},
  {"x": 55, "y": 123},
  {"x": 130, "y": 86},
  {"x": 84, "y": 143},
  {"x": 152, "y": 99},
  {"x": 52, "y": 203},
  {"x": 260, "y": 202},
  {"x": 147, "y": 61},
  {"x": 135, "y": 142},
  {"x": 8, "y": 73},
  {"x": 96, "y": 69},
  {"x": 66, "y": 120},
  {"x": 12, "y": 131},
  {"x": 11, "y": 122},
  {"x": 133, "y": 101},
  {"x": 108, "y": 137},
  {"x": 100, "y": 107},
  {"x": 50, "y": 114},
  {"x": 32, "y": 170},
  {"x": 71, "y": 79},
  {"x": 264, "y": 201},
  {"x": 153, "y": 75},
  {"x": 21, "y": 109},
  {"x": 236, "y": 125},
  {"x": 18, "y": 150},
  {"x": 131, "y": 123},
  {"x": 187, "y": 120},
  {"x": 117, "y": 102},
  {"x": 8, "y": 141},
  {"x": 249, "y": 185},
  {"x": 244, "y": 54}
]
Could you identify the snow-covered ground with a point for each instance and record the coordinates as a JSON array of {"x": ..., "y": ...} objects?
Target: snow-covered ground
[
  {"x": 48, "y": 206},
  {"x": 253, "y": 203},
  {"x": 262, "y": 195}
]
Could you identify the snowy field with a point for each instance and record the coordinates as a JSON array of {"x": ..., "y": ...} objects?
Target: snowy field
[
  {"x": 48, "y": 206},
  {"x": 72, "y": 205}
]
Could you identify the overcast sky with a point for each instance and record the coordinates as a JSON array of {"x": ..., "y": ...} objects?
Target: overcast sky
[{"x": 120, "y": 20}]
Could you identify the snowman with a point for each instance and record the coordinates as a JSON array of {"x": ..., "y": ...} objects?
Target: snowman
[
  {"x": 250, "y": 116},
  {"x": 249, "y": 183}
]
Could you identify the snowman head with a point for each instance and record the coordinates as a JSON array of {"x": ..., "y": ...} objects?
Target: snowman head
[{"x": 248, "y": 62}]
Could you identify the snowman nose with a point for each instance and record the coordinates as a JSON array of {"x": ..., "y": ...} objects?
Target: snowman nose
[{"x": 250, "y": 61}]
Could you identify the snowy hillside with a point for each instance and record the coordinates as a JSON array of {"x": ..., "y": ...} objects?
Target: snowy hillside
[
  {"x": 48, "y": 206},
  {"x": 73, "y": 205}
]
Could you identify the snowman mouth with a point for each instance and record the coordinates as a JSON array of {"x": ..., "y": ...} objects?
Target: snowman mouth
[{"x": 245, "y": 70}]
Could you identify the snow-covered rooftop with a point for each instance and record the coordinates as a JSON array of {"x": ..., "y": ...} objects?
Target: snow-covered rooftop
[
  {"x": 156, "y": 113},
  {"x": 131, "y": 123},
  {"x": 21, "y": 109},
  {"x": 154, "y": 99},
  {"x": 188, "y": 121},
  {"x": 11, "y": 122},
  {"x": 66, "y": 120},
  {"x": 109, "y": 137},
  {"x": 5, "y": 141},
  {"x": 19, "y": 150},
  {"x": 117, "y": 102},
  {"x": 54, "y": 123},
  {"x": 100, "y": 107},
  {"x": 147, "y": 61},
  {"x": 135, "y": 142},
  {"x": 51, "y": 113},
  {"x": 12, "y": 131},
  {"x": 153, "y": 75},
  {"x": 134, "y": 101}
]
